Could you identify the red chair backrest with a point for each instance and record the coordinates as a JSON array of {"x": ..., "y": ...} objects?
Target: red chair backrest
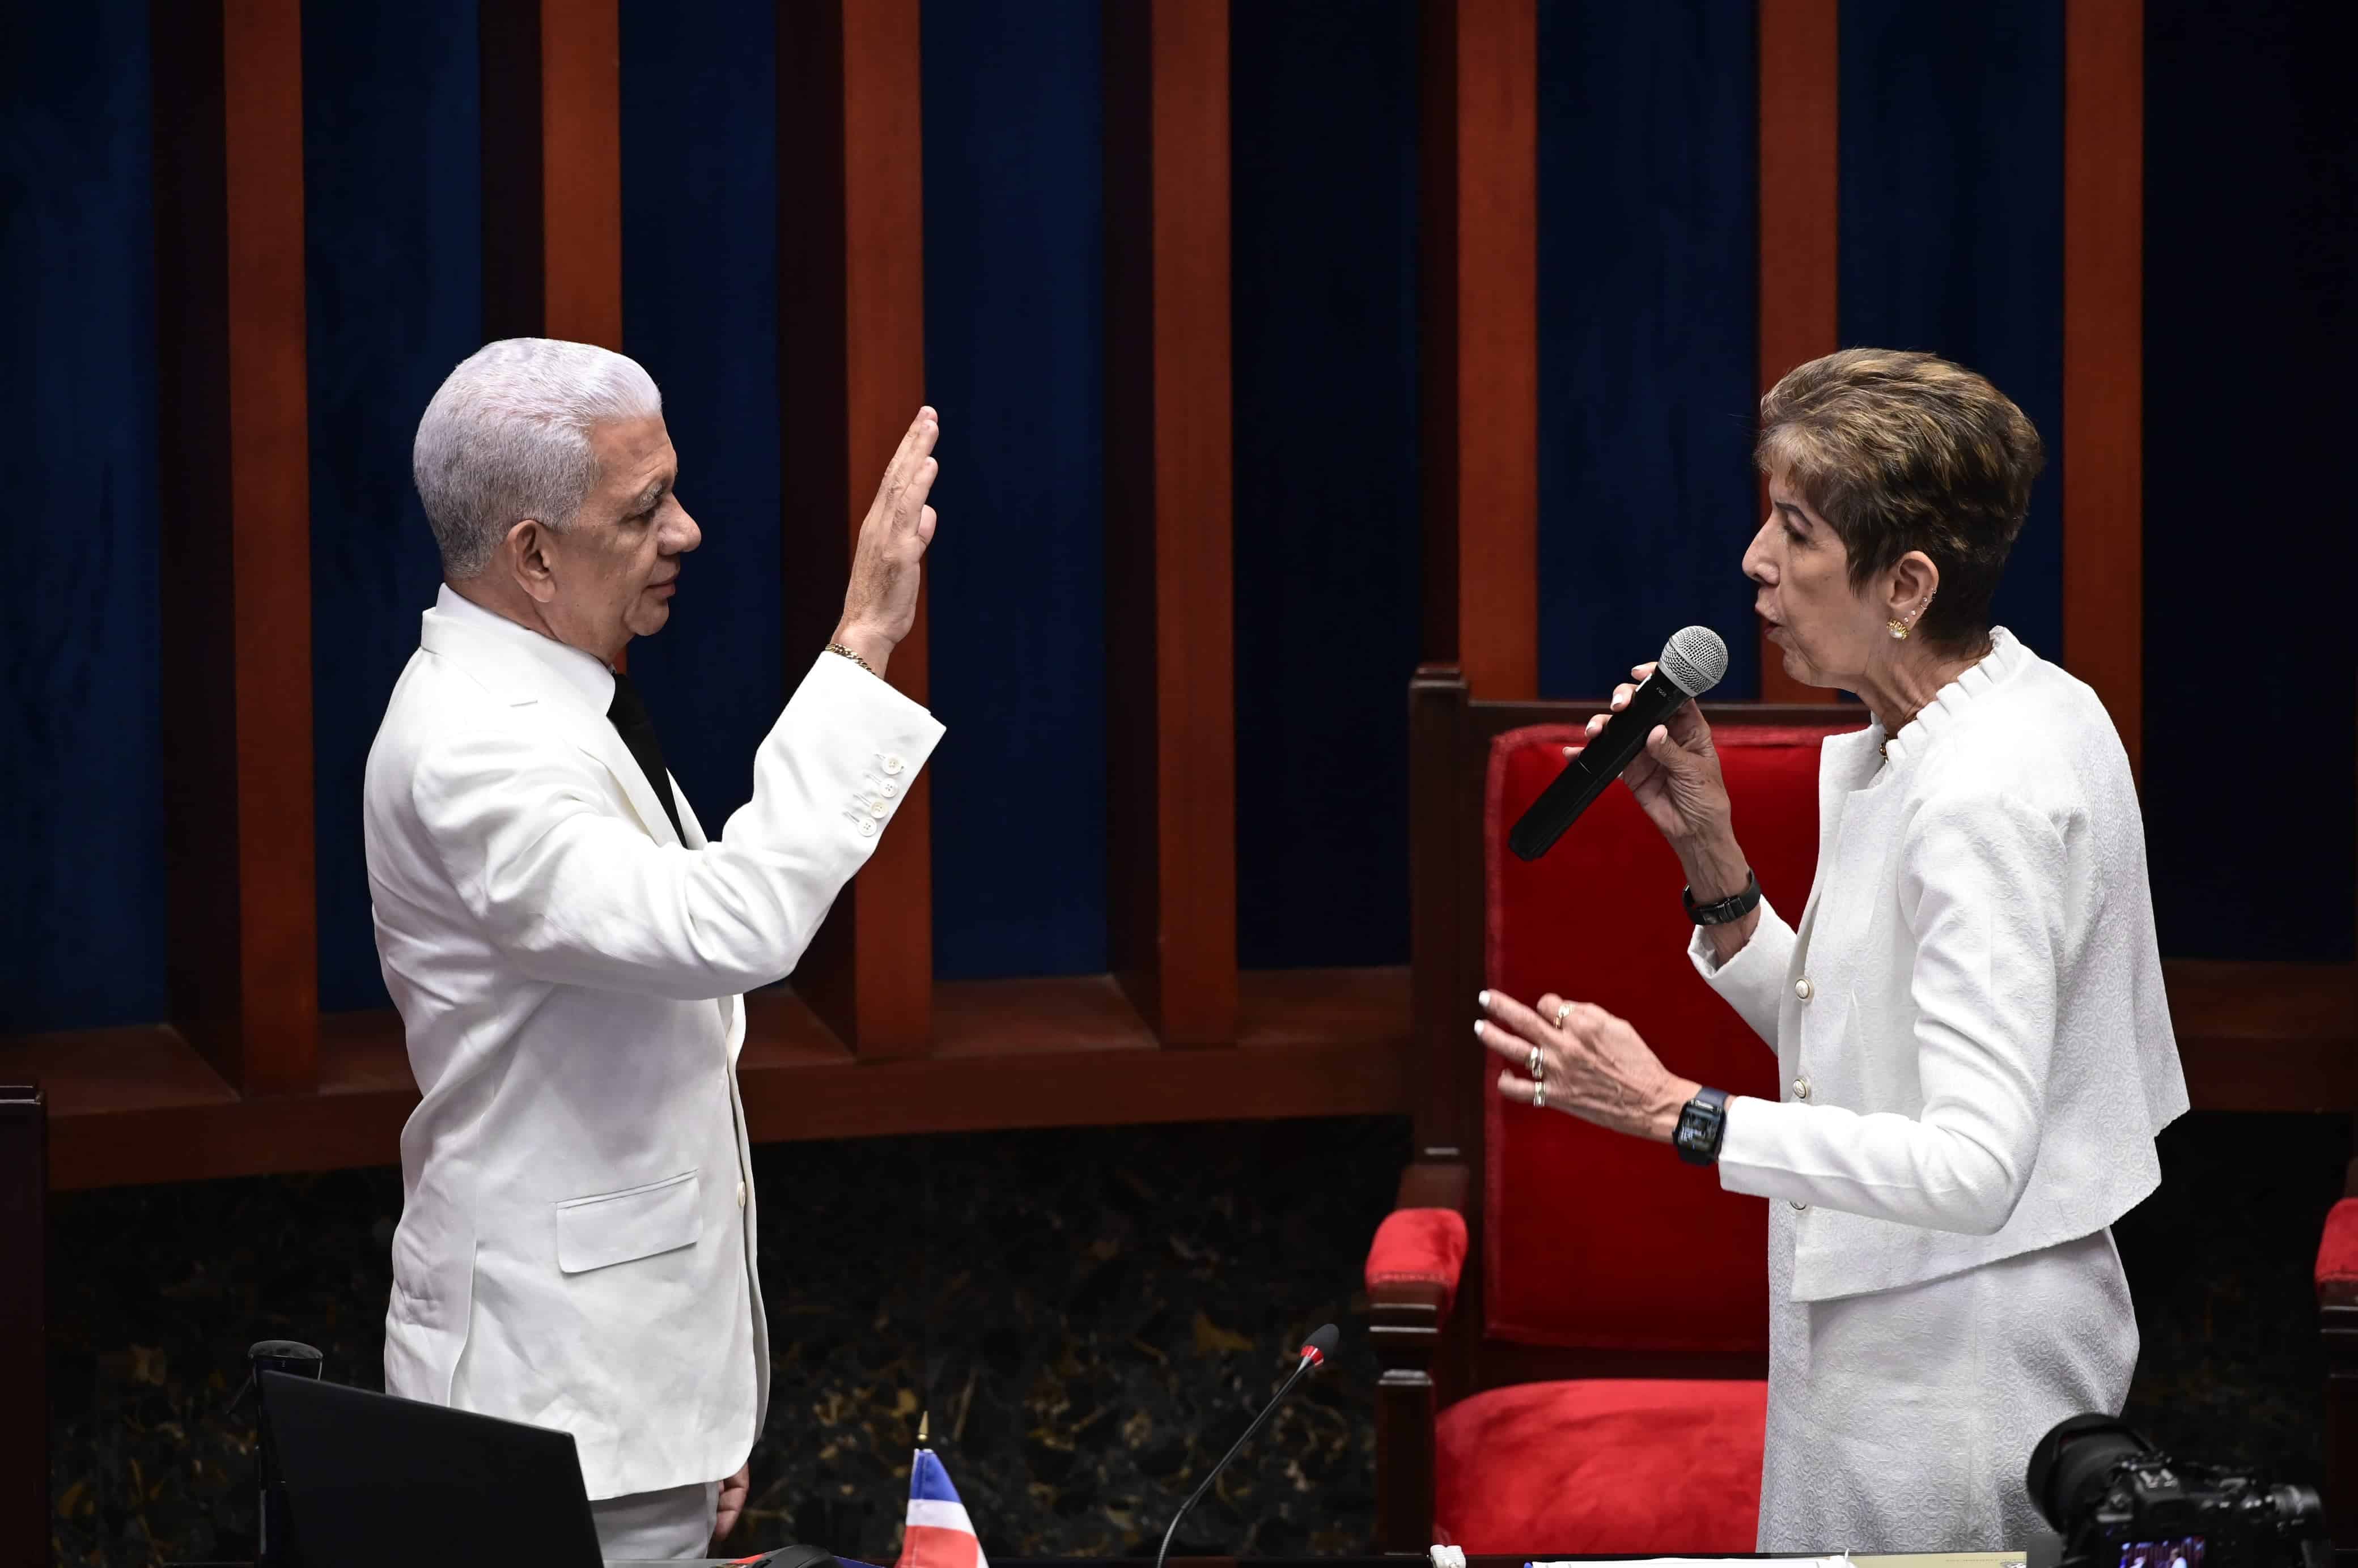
[{"x": 1593, "y": 1238}]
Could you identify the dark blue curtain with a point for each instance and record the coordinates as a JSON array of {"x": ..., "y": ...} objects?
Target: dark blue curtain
[
  {"x": 1648, "y": 338},
  {"x": 80, "y": 772},
  {"x": 2251, "y": 251},
  {"x": 393, "y": 300},
  {"x": 1951, "y": 219},
  {"x": 1951, "y": 240},
  {"x": 700, "y": 311},
  {"x": 1014, "y": 350},
  {"x": 1323, "y": 126}
]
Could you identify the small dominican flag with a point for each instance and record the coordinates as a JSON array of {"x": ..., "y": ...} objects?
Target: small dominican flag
[{"x": 940, "y": 1534}]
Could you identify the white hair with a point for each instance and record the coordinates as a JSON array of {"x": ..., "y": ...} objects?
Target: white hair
[{"x": 507, "y": 437}]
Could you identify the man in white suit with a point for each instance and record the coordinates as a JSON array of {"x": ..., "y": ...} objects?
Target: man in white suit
[{"x": 568, "y": 948}]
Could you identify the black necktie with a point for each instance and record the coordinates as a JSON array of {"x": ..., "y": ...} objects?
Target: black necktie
[{"x": 629, "y": 715}]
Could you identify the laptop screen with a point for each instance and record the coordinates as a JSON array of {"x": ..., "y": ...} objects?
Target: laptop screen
[{"x": 373, "y": 1481}]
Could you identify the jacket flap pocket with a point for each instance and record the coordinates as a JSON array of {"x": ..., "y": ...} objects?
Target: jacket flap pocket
[{"x": 637, "y": 1222}]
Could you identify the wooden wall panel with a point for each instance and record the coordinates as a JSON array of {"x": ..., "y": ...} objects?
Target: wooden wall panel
[
  {"x": 2265, "y": 1036},
  {"x": 1168, "y": 485},
  {"x": 131, "y": 1106},
  {"x": 851, "y": 365},
  {"x": 234, "y": 473},
  {"x": 1479, "y": 353},
  {"x": 552, "y": 169},
  {"x": 2103, "y": 356},
  {"x": 1800, "y": 167}
]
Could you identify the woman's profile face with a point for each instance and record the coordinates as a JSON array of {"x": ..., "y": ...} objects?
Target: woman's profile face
[{"x": 1826, "y": 631}]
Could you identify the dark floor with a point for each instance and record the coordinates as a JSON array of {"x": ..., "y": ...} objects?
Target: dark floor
[{"x": 1091, "y": 1316}]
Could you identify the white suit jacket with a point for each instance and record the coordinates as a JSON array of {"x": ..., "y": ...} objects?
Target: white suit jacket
[
  {"x": 575, "y": 1247},
  {"x": 1970, "y": 1026}
]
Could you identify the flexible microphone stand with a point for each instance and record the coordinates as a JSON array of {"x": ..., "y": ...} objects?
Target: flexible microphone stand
[{"x": 1315, "y": 1351}]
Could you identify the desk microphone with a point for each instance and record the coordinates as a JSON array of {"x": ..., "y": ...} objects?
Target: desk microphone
[
  {"x": 1692, "y": 663},
  {"x": 1315, "y": 1351},
  {"x": 271, "y": 1533}
]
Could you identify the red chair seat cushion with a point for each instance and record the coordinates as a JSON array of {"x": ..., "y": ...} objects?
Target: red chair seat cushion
[
  {"x": 1423, "y": 1245},
  {"x": 2337, "y": 1249},
  {"x": 1650, "y": 1467}
]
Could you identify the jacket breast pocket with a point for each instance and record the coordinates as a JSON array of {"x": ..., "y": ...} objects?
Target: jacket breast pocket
[{"x": 605, "y": 1228}]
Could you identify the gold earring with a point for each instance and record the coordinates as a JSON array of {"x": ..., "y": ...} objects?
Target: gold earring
[{"x": 1898, "y": 631}]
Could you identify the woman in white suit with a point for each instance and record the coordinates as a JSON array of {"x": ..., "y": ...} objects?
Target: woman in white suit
[{"x": 1970, "y": 1034}]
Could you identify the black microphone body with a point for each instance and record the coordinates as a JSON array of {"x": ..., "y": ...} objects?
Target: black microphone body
[
  {"x": 1616, "y": 745},
  {"x": 1599, "y": 763},
  {"x": 1315, "y": 1351}
]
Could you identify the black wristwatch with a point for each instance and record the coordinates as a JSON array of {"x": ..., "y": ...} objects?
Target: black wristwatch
[
  {"x": 1702, "y": 1124},
  {"x": 1719, "y": 911}
]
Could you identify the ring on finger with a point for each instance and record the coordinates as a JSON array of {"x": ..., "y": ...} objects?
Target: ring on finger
[
  {"x": 1538, "y": 1095},
  {"x": 1536, "y": 1067},
  {"x": 1562, "y": 1011}
]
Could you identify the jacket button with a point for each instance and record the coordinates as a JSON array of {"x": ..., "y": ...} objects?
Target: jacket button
[
  {"x": 888, "y": 789},
  {"x": 1801, "y": 987},
  {"x": 740, "y": 1195},
  {"x": 893, "y": 765},
  {"x": 1801, "y": 1089},
  {"x": 877, "y": 809},
  {"x": 867, "y": 827}
]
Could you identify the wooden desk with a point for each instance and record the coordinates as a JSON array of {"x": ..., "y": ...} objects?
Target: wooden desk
[{"x": 1897, "y": 1560}]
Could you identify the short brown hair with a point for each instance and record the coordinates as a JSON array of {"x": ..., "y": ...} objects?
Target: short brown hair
[{"x": 1904, "y": 451}]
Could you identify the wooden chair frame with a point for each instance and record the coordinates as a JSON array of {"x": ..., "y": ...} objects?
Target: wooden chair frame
[
  {"x": 24, "y": 1340},
  {"x": 1429, "y": 1357}
]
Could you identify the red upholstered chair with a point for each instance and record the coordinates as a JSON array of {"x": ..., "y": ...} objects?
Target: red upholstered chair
[
  {"x": 2337, "y": 1315},
  {"x": 1572, "y": 1324}
]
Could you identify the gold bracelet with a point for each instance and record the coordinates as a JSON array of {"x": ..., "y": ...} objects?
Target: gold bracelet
[{"x": 863, "y": 663}]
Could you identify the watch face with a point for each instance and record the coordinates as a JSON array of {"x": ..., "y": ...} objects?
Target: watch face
[{"x": 1698, "y": 1126}]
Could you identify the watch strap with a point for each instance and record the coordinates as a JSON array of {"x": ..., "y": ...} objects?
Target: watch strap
[{"x": 1719, "y": 911}]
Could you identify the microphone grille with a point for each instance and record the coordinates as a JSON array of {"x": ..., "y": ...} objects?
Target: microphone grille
[{"x": 1695, "y": 660}]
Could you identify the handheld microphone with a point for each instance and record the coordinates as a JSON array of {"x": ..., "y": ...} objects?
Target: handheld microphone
[
  {"x": 1315, "y": 1351},
  {"x": 1692, "y": 663}
]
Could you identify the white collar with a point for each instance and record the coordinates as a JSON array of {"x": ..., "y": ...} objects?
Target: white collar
[
  {"x": 2005, "y": 658},
  {"x": 513, "y": 644}
]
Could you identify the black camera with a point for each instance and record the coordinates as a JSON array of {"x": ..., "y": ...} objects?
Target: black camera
[{"x": 2118, "y": 1502}]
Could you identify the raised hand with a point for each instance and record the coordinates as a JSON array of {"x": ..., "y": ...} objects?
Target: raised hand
[{"x": 880, "y": 605}]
